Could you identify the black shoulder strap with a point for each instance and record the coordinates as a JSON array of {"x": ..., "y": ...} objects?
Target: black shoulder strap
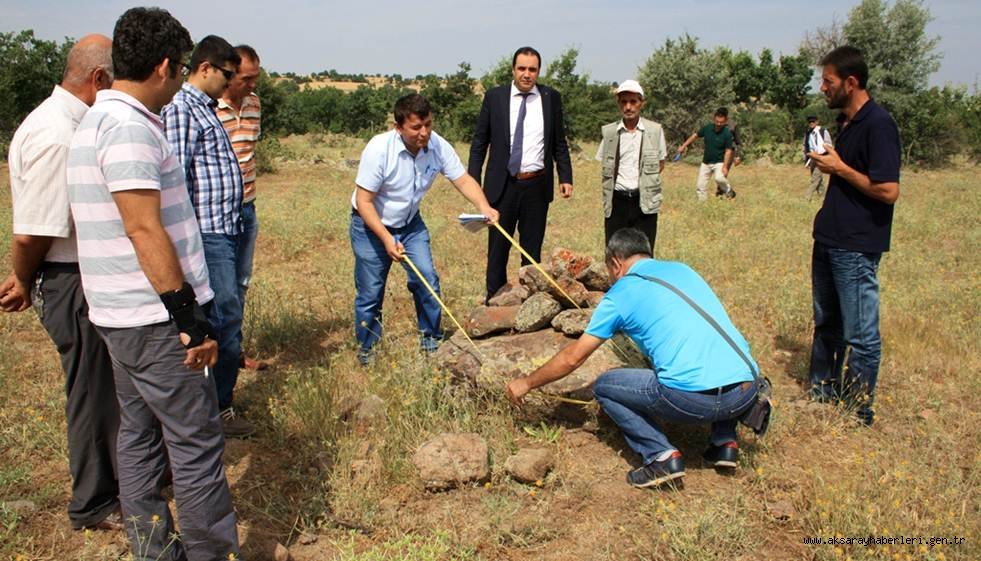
[{"x": 707, "y": 317}]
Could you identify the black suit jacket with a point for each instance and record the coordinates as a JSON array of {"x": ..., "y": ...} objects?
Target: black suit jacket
[{"x": 494, "y": 129}]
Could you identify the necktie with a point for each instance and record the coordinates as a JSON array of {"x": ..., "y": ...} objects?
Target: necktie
[{"x": 514, "y": 162}]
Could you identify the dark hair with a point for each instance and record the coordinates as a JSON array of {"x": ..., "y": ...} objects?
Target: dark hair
[
  {"x": 848, "y": 61},
  {"x": 412, "y": 104},
  {"x": 247, "y": 52},
  {"x": 722, "y": 112},
  {"x": 143, "y": 38},
  {"x": 627, "y": 242},
  {"x": 812, "y": 118},
  {"x": 215, "y": 51},
  {"x": 526, "y": 51}
]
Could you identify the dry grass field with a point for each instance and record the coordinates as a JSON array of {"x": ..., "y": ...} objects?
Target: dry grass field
[{"x": 816, "y": 474}]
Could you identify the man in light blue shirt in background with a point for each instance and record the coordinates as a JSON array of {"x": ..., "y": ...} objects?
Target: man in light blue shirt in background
[
  {"x": 697, "y": 377},
  {"x": 397, "y": 169}
]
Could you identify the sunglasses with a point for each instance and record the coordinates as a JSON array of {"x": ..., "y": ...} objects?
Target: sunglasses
[
  {"x": 185, "y": 68},
  {"x": 228, "y": 74}
]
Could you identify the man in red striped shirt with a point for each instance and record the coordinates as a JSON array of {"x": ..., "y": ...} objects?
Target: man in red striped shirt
[{"x": 239, "y": 112}]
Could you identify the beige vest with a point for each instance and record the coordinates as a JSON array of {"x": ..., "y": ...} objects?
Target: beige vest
[{"x": 649, "y": 179}]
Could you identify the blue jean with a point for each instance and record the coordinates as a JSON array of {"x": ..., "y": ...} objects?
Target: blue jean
[
  {"x": 633, "y": 397},
  {"x": 245, "y": 252},
  {"x": 846, "y": 315},
  {"x": 371, "y": 266},
  {"x": 225, "y": 313}
]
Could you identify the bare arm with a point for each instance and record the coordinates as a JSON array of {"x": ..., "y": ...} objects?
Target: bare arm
[
  {"x": 831, "y": 163},
  {"x": 727, "y": 160},
  {"x": 685, "y": 144},
  {"x": 140, "y": 212},
  {"x": 559, "y": 366},
  {"x": 468, "y": 187},
  {"x": 27, "y": 253}
]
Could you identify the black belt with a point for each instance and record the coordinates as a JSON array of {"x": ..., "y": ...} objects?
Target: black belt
[
  {"x": 626, "y": 194},
  {"x": 721, "y": 389},
  {"x": 55, "y": 267}
]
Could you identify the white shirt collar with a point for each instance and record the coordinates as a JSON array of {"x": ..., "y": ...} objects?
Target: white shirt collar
[
  {"x": 515, "y": 91},
  {"x": 75, "y": 105},
  {"x": 622, "y": 127}
]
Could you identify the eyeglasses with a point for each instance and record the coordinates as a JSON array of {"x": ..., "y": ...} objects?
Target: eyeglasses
[{"x": 185, "y": 69}]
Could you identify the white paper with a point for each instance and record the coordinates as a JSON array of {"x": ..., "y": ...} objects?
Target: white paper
[{"x": 473, "y": 222}]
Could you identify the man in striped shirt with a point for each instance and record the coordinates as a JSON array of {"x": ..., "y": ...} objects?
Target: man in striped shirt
[
  {"x": 145, "y": 279},
  {"x": 214, "y": 181},
  {"x": 239, "y": 112}
]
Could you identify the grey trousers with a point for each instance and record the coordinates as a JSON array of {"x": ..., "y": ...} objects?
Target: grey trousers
[
  {"x": 816, "y": 185},
  {"x": 169, "y": 410},
  {"x": 91, "y": 411}
]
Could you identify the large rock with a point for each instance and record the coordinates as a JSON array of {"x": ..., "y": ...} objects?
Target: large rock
[
  {"x": 510, "y": 295},
  {"x": 536, "y": 313},
  {"x": 362, "y": 411},
  {"x": 573, "y": 292},
  {"x": 572, "y": 322},
  {"x": 452, "y": 459},
  {"x": 595, "y": 277},
  {"x": 567, "y": 263},
  {"x": 499, "y": 359},
  {"x": 529, "y": 276},
  {"x": 484, "y": 320},
  {"x": 529, "y": 465}
]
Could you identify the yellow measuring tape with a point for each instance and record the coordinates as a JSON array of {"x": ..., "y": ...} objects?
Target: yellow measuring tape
[
  {"x": 441, "y": 303},
  {"x": 548, "y": 277},
  {"x": 464, "y": 331}
]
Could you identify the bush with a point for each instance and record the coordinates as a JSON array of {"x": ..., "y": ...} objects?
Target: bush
[{"x": 268, "y": 151}]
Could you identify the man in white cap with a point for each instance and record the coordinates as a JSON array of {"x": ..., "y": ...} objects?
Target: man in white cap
[{"x": 632, "y": 152}]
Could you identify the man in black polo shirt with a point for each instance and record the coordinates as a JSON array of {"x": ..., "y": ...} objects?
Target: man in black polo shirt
[{"x": 850, "y": 233}]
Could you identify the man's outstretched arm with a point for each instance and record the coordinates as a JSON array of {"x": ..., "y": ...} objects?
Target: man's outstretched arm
[{"x": 559, "y": 366}]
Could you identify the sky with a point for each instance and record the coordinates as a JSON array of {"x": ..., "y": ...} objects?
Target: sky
[{"x": 422, "y": 37}]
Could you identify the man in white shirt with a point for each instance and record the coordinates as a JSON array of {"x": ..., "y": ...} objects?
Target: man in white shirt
[
  {"x": 44, "y": 255},
  {"x": 632, "y": 152},
  {"x": 397, "y": 168},
  {"x": 814, "y": 141}
]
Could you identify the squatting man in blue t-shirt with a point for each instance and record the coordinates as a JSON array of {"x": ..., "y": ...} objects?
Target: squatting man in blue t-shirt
[
  {"x": 697, "y": 377},
  {"x": 397, "y": 168}
]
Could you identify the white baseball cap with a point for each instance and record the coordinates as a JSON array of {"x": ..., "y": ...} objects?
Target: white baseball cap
[{"x": 630, "y": 86}]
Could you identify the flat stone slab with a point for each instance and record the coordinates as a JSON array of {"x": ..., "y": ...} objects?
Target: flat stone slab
[{"x": 506, "y": 357}]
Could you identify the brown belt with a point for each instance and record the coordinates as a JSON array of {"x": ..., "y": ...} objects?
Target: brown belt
[{"x": 524, "y": 175}]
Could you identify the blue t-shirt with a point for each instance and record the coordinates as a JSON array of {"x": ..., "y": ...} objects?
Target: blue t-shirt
[{"x": 687, "y": 352}]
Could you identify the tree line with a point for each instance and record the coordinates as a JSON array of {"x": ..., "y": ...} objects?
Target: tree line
[{"x": 769, "y": 96}]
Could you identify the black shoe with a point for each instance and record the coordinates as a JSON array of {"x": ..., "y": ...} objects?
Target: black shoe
[
  {"x": 725, "y": 456},
  {"x": 657, "y": 473},
  {"x": 731, "y": 194}
]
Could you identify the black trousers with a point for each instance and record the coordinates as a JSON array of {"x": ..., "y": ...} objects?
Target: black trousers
[
  {"x": 92, "y": 410},
  {"x": 524, "y": 205},
  {"x": 626, "y": 213}
]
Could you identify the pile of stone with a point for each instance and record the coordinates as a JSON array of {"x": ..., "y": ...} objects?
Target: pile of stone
[{"x": 528, "y": 321}]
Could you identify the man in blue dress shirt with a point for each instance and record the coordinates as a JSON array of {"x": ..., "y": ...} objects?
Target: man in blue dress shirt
[{"x": 397, "y": 169}]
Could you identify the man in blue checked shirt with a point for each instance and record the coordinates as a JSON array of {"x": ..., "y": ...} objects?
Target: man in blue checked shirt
[
  {"x": 396, "y": 170},
  {"x": 214, "y": 181}
]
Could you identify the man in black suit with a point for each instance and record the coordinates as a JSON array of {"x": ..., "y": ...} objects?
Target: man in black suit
[{"x": 522, "y": 123}]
